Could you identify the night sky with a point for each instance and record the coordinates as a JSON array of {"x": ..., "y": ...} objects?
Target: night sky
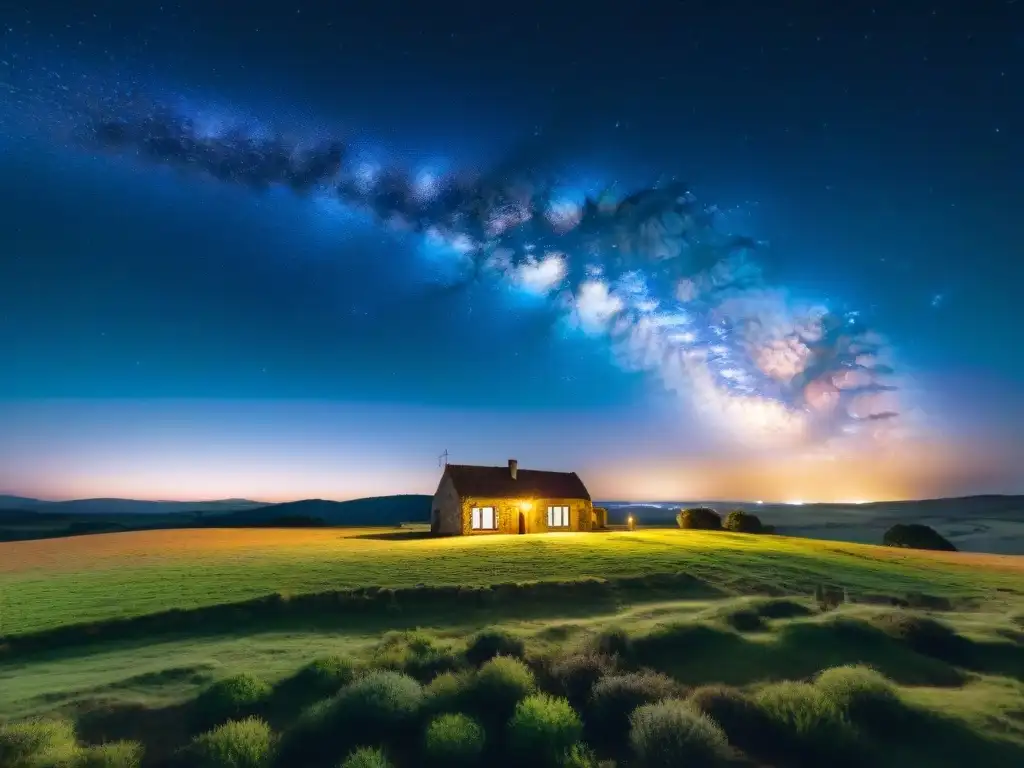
[{"x": 164, "y": 334}]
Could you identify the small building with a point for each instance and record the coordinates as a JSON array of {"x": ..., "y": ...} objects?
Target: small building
[{"x": 483, "y": 500}]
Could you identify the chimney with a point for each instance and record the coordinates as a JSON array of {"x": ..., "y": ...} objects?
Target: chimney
[{"x": 513, "y": 467}]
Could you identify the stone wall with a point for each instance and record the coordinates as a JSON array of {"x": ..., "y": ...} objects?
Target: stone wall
[{"x": 536, "y": 517}]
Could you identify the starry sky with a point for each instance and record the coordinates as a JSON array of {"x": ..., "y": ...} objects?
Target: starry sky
[{"x": 165, "y": 335}]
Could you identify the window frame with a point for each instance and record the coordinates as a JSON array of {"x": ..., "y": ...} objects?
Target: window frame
[
  {"x": 478, "y": 513},
  {"x": 564, "y": 516}
]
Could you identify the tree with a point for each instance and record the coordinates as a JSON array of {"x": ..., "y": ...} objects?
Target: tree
[
  {"x": 916, "y": 536},
  {"x": 699, "y": 518},
  {"x": 739, "y": 521}
]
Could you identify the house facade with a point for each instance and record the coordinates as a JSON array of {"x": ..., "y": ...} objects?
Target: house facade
[{"x": 478, "y": 501}]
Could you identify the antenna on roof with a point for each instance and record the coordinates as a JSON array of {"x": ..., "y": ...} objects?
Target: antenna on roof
[{"x": 442, "y": 460}]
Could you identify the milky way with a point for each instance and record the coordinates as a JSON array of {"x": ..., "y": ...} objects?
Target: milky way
[{"x": 654, "y": 273}]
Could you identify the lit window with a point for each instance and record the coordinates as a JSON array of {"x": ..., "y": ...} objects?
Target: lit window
[
  {"x": 483, "y": 519},
  {"x": 558, "y": 517}
]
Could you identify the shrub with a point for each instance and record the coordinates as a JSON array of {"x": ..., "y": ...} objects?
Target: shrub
[
  {"x": 36, "y": 743},
  {"x": 699, "y": 518},
  {"x": 916, "y": 536},
  {"x": 615, "y": 698},
  {"x": 812, "y": 727},
  {"x": 494, "y": 642},
  {"x": 454, "y": 740},
  {"x": 416, "y": 654},
  {"x": 543, "y": 730},
  {"x": 366, "y": 757},
  {"x": 498, "y": 686},
  {"x": 671, "y": 733},
  {"x": 862, "y": 695},
  {"x": 118, "y": 754},
  {"x": 925, "y": 636},
  {"x": 380, "y": 707},
  {"x": 739, "y": 521},
  {"x": 448, "y": 692},
  {"x": 232, "y": 698},
  {"x": 745, "y": 724},
  {"x": 325, "y": 676},
  {"x": 244, "y": 743},
  {"x": 574, "y": 675}
]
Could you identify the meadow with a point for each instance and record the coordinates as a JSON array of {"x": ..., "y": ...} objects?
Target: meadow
[{"x": 926, "y": 650}]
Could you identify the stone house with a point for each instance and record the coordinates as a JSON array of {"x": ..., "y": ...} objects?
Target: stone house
[{"x": 485, "y": 500}]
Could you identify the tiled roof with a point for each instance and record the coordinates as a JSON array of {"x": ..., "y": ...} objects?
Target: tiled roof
[{"x": 530, "y": 483}]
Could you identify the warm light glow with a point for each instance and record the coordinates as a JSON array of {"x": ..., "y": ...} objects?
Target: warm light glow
[{"x": 526, "y": 506}]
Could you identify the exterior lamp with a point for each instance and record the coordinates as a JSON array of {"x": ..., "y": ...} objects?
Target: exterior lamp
[{"x": 526, "y": 506}]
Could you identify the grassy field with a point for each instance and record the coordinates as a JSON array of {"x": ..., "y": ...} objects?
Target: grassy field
[
  {"x": 957, "y": 673},
  {"x": 54, "y": 582}
]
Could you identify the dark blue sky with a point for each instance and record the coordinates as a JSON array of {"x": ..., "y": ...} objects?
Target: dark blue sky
[{"x": 163, "y": 335}]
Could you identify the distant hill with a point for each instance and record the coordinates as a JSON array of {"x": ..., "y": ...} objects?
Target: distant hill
[
  {"x": 126, "y": 506},
  {"x": 378, "y": 510}
]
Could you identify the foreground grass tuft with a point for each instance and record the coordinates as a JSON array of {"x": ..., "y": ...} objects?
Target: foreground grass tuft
[
  {"x": 244, "y": 743},
  {"x": 863, "y": 696},
  {"x": 672, "y": 733},
  {"x": 37, "y": 744},
  {"x": 614, "y": 698},
  {"x": 747, "y": 726},
  {"x": 496, "y": 689},
  {"x": 118, "y": 754},
  {"x": 811, "y": 726},
  {"x": 543, "y": 730},
  {"x": 366, "y": 757},
  {"x": 454, "y": 740}
]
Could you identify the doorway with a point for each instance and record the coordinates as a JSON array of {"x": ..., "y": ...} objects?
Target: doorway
[{"x": 522, "y": 523}]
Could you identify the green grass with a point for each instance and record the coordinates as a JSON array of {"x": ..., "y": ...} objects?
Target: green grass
[
  {"x": 51, "y": 583},
  {"x": 957, "y": 675}
]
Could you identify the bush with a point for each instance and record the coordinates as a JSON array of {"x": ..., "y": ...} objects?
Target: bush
[
  {"x": 244, "y": 743},
  {"x": 916, "y": 536},
  {"x": 862, "y": 695},
  {"x": 232, "y": 698},
  {"x": 448, "y": 692},
  {"x": 812, "y": 727},
  {"x": 543, "y": 730},
  {"x": 745, "y": 724},
  {"x": 494, "y": 642},
  {"x": 118, "y": 754},
  {"x": 574, "y": 675},
  {"x": 366, "y": 757},
  {"x": 382, "y": 706},
  {"x": 699, "y": 518},
  {"x": 671, "y": 733},
  {"x": 615, "y": 698},
  {"x": 454, "y": 740},
  {"x": 498, "y": 686},
  {"x": 416, "y": 654},
  {"x": 925, "y": 636},
  {"x": 37, "y": 743},
  {"x": 739, "y": 521},
  {"x": 325, "y": 676}
]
